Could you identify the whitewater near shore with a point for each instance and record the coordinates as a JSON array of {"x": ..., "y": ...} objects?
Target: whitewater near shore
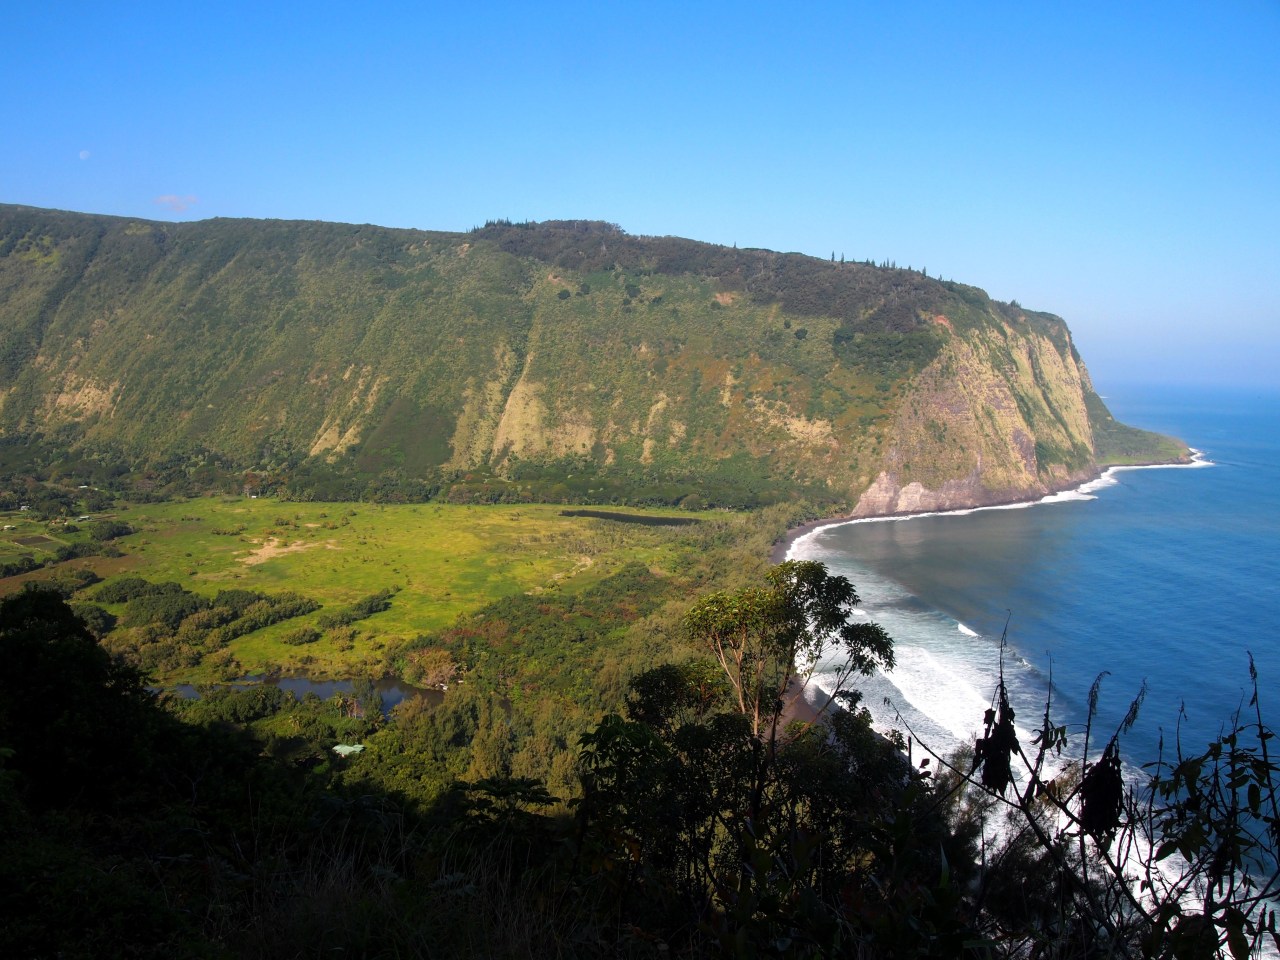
[{"x": 947, "y": 666}]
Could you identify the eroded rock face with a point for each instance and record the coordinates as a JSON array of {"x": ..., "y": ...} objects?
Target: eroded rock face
[
  {"x": 886, "y": 497},
  {"x": 1000, "y": 416}
]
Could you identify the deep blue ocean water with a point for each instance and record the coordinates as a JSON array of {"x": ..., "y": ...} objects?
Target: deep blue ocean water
[{"x": 1162, "y": 575}]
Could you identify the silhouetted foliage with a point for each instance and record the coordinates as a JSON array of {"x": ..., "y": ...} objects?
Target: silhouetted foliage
[{"x": 72, "y": 715}]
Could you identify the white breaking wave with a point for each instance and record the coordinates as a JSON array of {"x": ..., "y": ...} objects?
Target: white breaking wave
[
  {"x": 1198, "y": 459},
  {"x": 941, "y": 684},
  {"x": 1083, "y": 492},
  {"x": 1070, "y": 496},
  {"x": 1107, "y": 479},
  {"x": 938, "y": 691},
  {"x": 941, "y": 687}
]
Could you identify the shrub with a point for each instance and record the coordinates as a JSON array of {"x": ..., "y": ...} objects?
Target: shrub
[
  {"x": 124, "y": 589},
  {"x": 104, "y": 530},
  {"x": 301, "y": 636},
  {"x": 237, "y": 601},
  {"x": 74, "y": 551},
  {"x": 24, "y": 564},
  {"x": 360, "y": 610},
  {"x": 169, "y": 609}
]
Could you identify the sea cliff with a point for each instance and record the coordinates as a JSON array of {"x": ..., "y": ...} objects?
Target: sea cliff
[{"x": 564, "y": 361}]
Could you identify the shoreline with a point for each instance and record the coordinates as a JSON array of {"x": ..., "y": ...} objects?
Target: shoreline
[{"x": 781, "y": 549}]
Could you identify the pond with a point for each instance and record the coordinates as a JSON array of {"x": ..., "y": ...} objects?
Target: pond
[{"x": 392, "y": 689}]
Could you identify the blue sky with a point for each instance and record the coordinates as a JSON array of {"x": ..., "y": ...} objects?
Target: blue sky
[{"x": 1118, "y": 164}]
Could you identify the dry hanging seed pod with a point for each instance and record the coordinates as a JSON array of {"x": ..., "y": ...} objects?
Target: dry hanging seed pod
[
  {"x": 1102, "y": 796},
  {"x": 994, "y": 752}
]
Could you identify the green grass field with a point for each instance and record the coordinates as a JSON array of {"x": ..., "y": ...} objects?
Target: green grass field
[{"x": 442, "y": 560}]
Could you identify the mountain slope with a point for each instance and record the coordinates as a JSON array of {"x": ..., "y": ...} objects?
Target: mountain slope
[{"x": 565, "y": 360}]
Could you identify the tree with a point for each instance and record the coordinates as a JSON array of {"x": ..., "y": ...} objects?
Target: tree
[
  {"x": 73, "y": 716},
  {"x": 719, "y": 837},
  {"x": 769, "y": 640},
  {"x": 672, "y": 694}
]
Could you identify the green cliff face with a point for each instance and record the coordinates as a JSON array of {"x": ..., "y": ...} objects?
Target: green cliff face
[
  {"x": 565, "y": 361},
  {"x": 999, "y": 415}
]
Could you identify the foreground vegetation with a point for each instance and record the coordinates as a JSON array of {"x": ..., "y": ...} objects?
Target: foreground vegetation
[{"x": 702, "y": 819}]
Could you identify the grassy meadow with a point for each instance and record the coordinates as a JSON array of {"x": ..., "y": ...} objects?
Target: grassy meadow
[{"x": 441, "y": 561}]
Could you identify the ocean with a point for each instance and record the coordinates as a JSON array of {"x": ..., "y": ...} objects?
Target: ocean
[{"x": 1165, "y": 575}]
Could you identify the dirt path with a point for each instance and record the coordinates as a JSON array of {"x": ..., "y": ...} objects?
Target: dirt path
[{"x": 275, "y": 547}]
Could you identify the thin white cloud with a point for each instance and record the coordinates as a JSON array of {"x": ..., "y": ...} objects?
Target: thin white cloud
[
  {"x": 84, "y": 154},
  {"x": 174, "y": 202}
]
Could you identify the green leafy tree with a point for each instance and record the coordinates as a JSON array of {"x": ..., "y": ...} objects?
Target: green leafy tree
[
  {"x": 726, "y": 830},
  {"x": 770, "y": 640},
  {"x": 722, "y": 838}
]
